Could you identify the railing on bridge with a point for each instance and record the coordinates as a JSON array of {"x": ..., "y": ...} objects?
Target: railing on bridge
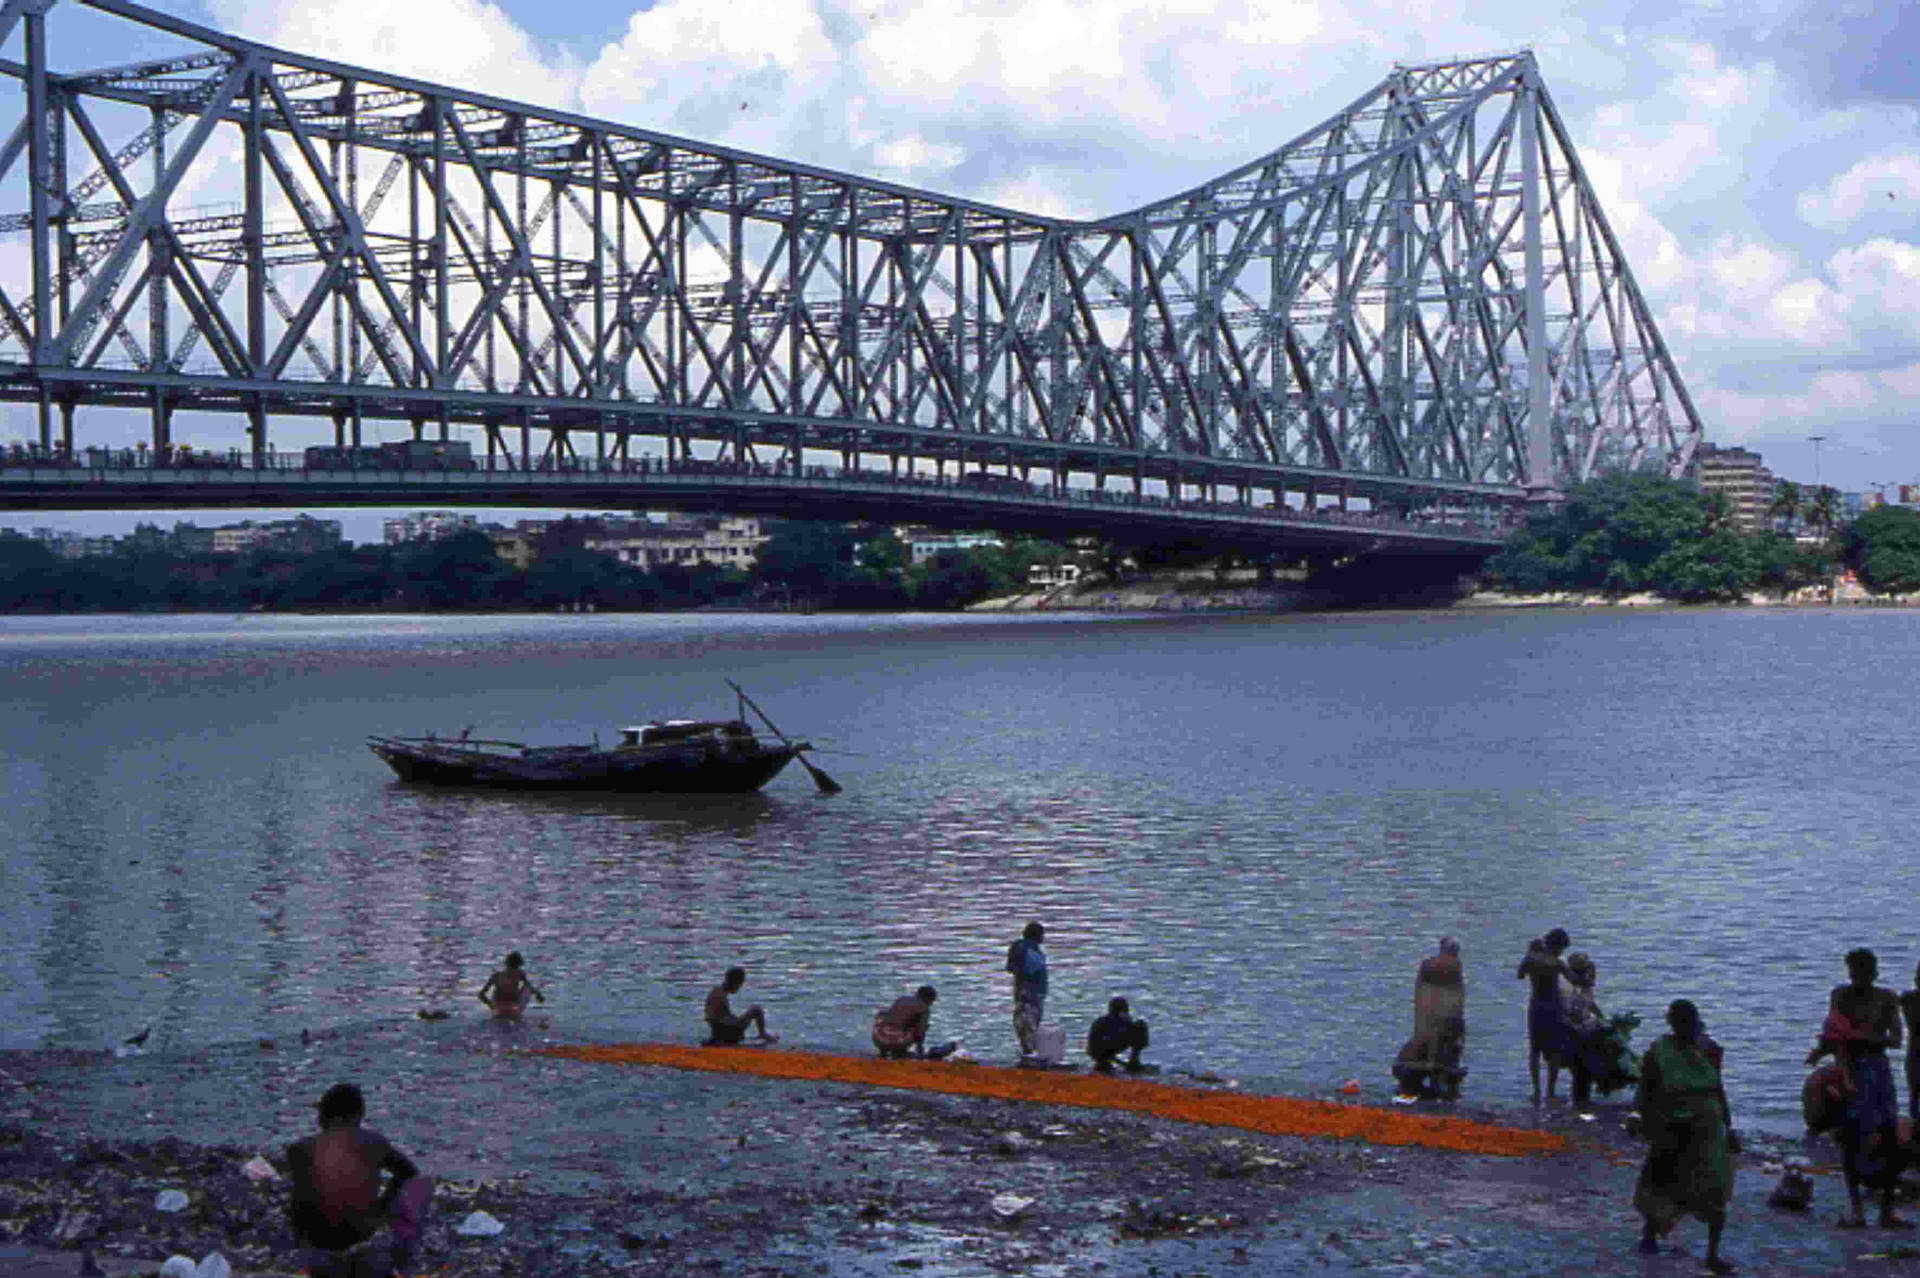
[{"x": 138, "y": 465}]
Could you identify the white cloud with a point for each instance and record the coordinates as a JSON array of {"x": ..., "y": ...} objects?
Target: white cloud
[
  {"x": 1878, "y": 185},
  {"x": 469, "y": 43}
]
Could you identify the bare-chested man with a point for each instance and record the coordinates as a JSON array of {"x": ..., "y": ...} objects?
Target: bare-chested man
[
  {"x": 507, "y": 990},
  {"x": 722, "y": 1024},
  {"x": 1542, "y": 966},
  {"x": 338, "y": 1206}
]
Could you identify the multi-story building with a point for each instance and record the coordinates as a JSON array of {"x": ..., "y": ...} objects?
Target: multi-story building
[
  {"x": 726, "y": 541},
  {"x": 302, "y": 536},
  {"x": 925, "y": 543},
  {"x": 1743, "y": 478},
  {"x": 425, "y": 525}
]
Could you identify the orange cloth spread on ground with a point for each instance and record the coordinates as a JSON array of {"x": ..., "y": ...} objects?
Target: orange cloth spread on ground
[{"x": 1275, "y": 1115}]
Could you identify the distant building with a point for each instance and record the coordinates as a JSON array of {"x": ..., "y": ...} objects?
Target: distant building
[
  {"x": 926, "y": 543},
  {"x": 1746, "y": 482},
  {"x": 1051, "y": 575},
  {"x": 426, "y": 525},
  {"x": 302, "y": 536},
  {"x": 726, "y": 541}
]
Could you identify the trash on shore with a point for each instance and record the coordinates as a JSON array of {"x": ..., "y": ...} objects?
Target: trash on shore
[
  {"x": 170, "y": 1200},
  {"x": 258, "y": 1168},
  {"x": 479, "y": 1225},
  {"x": 1011, "y": 1143},
  {"x": 213, "y": 1265},
  {"x": 1350, "y": 1088},
  {"x": 1009, "y": 1206}
]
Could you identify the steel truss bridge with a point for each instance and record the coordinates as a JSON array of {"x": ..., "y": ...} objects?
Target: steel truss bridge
[{"x": 1416, "y": 310}]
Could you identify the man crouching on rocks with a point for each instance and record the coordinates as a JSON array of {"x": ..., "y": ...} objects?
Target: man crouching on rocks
[{"x": 338, "y": 1207}]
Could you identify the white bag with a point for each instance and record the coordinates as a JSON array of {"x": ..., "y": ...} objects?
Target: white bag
[{"x": 1050, "y": 1044}]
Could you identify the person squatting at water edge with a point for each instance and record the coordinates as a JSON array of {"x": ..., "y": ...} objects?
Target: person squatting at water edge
[
  {"x": 1116, "y": 1032},
  {"x": 507, "y": 990},
  {"x": 1681, "y": 1109},
  {"x": 1429, "y": 1062},
  {"x": 1027, "y": 962},
  {"x": 901, "y": 1030},
  {"x": 1863, "y": 1021},
  {"x": 338, "y": 1210},
  {"x": 1542, "y": 966},
  {"x": 723, "y": 1026}
]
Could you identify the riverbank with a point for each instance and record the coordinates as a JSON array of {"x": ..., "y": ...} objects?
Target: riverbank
[
  {"x": 598, "y": 1168},
  {"x": 1241, "y": 592}
]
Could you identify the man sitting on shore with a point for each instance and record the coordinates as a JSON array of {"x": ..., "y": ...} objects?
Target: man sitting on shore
[
  {"x": 338, "y": 1208},
  {"x": 723, "y": 1026},
  {"x": 1116, "y": 1032},
  {"x": 901, "y": 1030}
]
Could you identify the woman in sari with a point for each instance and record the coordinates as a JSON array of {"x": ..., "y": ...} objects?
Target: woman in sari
[
  {"x": 1430, "y": 1061},
  {"x": 1682, "y": 1109}
]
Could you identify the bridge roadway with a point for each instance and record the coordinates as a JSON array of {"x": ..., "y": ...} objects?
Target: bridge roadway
[{"x": 126, "y": 480}]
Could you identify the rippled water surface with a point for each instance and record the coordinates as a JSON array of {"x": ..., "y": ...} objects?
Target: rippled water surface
[{"x": 1254, "y": 828}]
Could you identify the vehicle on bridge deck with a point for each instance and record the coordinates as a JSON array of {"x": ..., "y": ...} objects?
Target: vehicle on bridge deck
[
  {"x": 404, "y": 454},
  {"x": 678, "y": 756}
]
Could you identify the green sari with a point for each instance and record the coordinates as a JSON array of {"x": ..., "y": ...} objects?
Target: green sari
[{"x": 1688, "y": 1170}]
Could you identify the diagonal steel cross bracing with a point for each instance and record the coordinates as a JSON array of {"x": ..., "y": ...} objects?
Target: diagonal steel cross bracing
[{"x": 1421, "y": 295}]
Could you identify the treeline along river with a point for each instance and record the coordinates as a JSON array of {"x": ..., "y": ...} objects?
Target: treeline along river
[{"x": 1253, "y": 827}]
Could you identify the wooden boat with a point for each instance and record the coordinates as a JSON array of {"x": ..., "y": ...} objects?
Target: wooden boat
[{"x": 675, "y": 756}]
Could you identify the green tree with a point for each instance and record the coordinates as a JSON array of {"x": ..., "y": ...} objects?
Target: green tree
[
  {"x": 1786, "y": 502},
  {"x": 1608, "y": 536},
  {"x": 1823, "y": 511},
  {"x": 807, "y": 558},
  {"x": 1882, "y": 547},
  {"x": 460, "y": 571}
]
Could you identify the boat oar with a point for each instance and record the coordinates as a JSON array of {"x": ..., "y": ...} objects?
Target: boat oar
[{"x": 824, "y": 783}]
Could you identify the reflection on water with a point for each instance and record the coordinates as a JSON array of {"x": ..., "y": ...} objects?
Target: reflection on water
[{"x": 1254, "y": 828}]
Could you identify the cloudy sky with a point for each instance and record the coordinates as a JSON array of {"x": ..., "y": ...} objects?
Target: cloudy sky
[{"x": 1760, "y": 161}]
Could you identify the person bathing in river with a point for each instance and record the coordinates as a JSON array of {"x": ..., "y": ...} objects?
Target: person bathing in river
[
  {"x": 723, "y": 1027},
  {"x": 508, "y": 989},
  {"x": 1863, "y": 1021},
  {"x": 1681, "y": 1108},
  {"x": 1027, "y": 964},
  {"x": 1116, "y": 1032},
  {"x": 1429, "y": 1063},
  {"x": 901, "y": 1030},
  {"x": 338, "y": 1208},
  {"x": 1542, "y": 967},
  {"x": 1580, "y": 1021}
]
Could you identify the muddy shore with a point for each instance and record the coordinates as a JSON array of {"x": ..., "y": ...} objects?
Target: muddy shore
[{"x": 597, "y": 1169}]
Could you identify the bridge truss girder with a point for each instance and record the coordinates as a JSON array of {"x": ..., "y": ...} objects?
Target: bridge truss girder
[{"x": 1421, "y": 294}]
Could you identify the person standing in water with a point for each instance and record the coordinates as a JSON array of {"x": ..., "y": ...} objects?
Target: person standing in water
[
  {"x": 1542, "y": 967},
  {"x": 1027, "y": 963},
  {"x": 508, "y": 990},
  {"x": 1863, "y": 1021}
]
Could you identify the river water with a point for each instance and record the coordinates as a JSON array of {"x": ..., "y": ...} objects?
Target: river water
[{"x": 1253, "y": 827}]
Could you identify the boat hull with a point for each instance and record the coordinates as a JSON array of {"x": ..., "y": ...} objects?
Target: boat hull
[{"x": 681, "y": 770}]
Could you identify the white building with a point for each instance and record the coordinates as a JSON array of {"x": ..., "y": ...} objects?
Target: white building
[
  {"x": 426, "y": 525},
  {"x": 925, "y": 543},
  {"x": 726, "y": 541}
]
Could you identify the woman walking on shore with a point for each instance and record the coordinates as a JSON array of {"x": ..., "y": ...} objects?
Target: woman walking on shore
[{"x": 1681, "y": 1107}]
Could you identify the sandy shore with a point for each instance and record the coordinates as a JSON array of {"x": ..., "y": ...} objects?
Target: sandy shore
[{"x": 611, "y": 1169}]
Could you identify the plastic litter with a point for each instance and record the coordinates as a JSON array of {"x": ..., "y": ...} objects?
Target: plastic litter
[
  {"x": 258, "y": 1168},
  {"x": 170, "y": 1200},
  {"x": 479, "y": 1225},
  {"x": 1350, "y": 1088},
  {"x": 1007, "y": 1206},
  {"x": 1050, "y": 1044},
  {"x": 214, "y": 1265}
]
